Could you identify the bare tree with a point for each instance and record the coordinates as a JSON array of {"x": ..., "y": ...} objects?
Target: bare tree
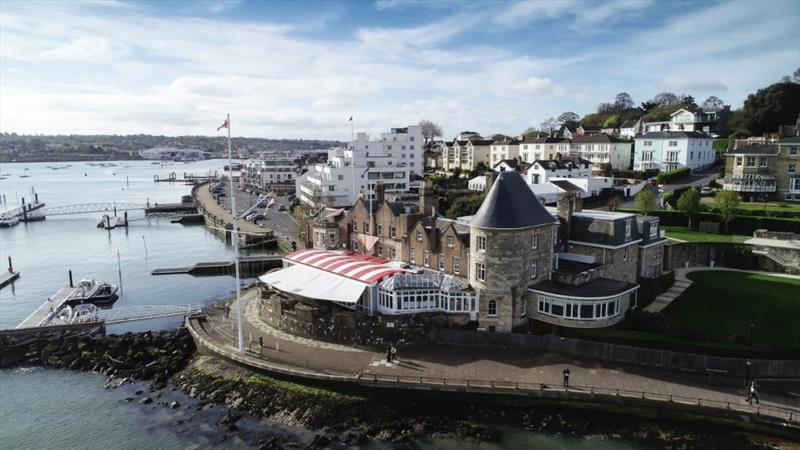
[
  {"x": 550, "y": 124},
  {"x": 793, "y": 78},
  {"x": 430, "y": 130},
  {"x": 623, "y": 101},
  {"x": 568, "y": 116},
  {"x": 666, "y": 99},
  {"x": 605, "y": 107},
  {"x": 713, "y": 103}
]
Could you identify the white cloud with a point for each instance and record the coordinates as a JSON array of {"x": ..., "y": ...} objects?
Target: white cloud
[
  {"x": 218, "y": 6},
  {"x": 86, "y": 49},
  {"x": 535, "y": 85}
]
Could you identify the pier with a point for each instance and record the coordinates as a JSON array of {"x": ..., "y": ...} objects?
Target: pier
[
  {"x": 248, "y": 265},
  {"x": 8, "y": 277},
  {"x": 188, "y": 178},
  {"x": 43, "y": 313}
]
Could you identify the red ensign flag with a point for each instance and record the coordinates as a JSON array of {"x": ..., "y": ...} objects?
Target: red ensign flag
[{"x": 224, "y": 125}]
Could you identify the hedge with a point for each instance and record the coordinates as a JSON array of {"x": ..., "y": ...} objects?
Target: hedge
[
  {"x": 635, "y": 174},
  {"x": 673, "y": 175},
  {"x": 743, "y": 225}
]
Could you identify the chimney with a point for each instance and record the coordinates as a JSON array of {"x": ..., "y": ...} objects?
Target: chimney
[
  {"x": 490, "y": 179},
  {"x": 379, "y": 192},
  {"x": 428, "y": 201},
  {"x": 565, "y": 207}
]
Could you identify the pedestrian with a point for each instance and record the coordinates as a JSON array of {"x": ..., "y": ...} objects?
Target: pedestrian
[
  {"x": 393, "y": 350},
  {"x": 389, "y": 355},
  {"x": 565, "y": 372},
  {"x": 753, "y": 393}
]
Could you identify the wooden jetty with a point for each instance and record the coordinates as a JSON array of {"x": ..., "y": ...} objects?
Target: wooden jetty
[
  {"x": 163, "y": 208},
  {"x": 248, "y": 265},
  {"x": 7, "y": 277},
  {"x": 43, "y": 313}
]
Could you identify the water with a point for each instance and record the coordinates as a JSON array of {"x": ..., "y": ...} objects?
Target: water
[{"x": 46, "y": 409}]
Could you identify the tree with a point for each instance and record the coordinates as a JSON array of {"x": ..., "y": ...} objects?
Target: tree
[
  {"x": 713, "y": 103},
  {"x": 623, "y": 101},
  {"x": 768, "y": 108},
  {"x": 647, "y": 106},
  {"x": 666, "y": 99},
  {"x": 689, "y": 203},
  {"x": 465, "y": 205},
  {"x": 727, "y": 202},
  {"x": 530, "y": 132},
  {"x": 646, "y": 201},
  {"x": 688, "y": 100},
  {"x": 569, "y": 119},
  {"x": 605, "y": 108},
  {"x": 793, "y": 78},
  {"x": 430, "y": 130},
  {"x": 550, "y": 124}
]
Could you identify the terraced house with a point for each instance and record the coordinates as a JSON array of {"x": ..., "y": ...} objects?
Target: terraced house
[
  {"x": 769, "y": 171},
  {"x": 466, "y": 152}
]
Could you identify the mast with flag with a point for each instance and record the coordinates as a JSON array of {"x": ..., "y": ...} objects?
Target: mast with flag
[
  {"x": 234, "y": 235},
  {"x": 353, "y": 158}
]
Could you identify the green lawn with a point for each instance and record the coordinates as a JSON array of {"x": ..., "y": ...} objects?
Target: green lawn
[
  {"x": 719, "y": 305},
  {"x": 685, "y": 234}
]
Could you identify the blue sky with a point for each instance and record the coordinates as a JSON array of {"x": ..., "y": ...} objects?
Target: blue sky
[{"x": 299, "y": 69}]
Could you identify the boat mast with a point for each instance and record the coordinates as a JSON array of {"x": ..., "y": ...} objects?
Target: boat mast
[
  {"x": 119, "y": 272},
  {"x": 235, "y": 242}
]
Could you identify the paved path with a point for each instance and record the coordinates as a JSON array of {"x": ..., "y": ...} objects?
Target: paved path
[
  {"x": 682, "y": 282},
  {"x": 475, "y": 364}
]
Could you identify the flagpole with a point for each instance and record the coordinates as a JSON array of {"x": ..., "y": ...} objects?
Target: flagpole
[
  {"x": 353, "y": 159},
  {"x": 235, "y": 242}
]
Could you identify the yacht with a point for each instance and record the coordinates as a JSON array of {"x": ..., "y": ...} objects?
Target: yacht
[{"x": 90, "y": 291}]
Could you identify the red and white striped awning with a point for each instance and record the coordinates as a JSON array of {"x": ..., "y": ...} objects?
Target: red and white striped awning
[{"x": 356, "y": 266}]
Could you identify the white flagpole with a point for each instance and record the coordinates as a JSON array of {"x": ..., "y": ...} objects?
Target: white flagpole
[
  {"x": 235, "y": 242},
  {"x": 353, "y": 160}
]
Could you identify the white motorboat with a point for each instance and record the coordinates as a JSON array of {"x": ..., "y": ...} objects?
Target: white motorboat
[
  {"x": 90, "y": 291},
  {"x": 9, "y": 221}
]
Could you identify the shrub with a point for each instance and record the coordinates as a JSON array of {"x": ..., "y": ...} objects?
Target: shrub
[
  {"x": 651, "y": 322},
  {"x": 634, "y": 174},
  {"x": 673, "y": 175}
]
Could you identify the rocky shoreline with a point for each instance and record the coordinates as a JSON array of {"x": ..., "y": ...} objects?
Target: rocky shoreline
[{"x": 337, "y": 419}]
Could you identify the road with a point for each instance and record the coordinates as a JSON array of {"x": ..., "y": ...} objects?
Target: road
[
  {"x": 694, "y": 180},
  {"x": 281, "y": 222}
]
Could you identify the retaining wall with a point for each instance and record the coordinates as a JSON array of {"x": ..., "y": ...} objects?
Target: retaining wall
[{"x": 666, "y": 359}]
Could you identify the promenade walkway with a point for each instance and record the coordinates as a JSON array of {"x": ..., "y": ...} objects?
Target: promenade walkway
[
  {"x": 682, "y": 282},
  {"x": 477, "y": 367}
]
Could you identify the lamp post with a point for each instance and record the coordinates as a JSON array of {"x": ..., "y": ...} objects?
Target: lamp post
[{"x": 748, "y": 363}]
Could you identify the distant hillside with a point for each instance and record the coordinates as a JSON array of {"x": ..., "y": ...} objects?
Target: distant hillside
[{"x": 106, "y": 147}]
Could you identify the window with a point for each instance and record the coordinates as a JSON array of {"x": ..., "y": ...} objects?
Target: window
[
  {"x": 330, "y": 188},
  {"x": 482, "y": 238},
  {"x": 535, "y": 240},
  {"x": 380, "y": 229},
  {"x": 738, "y": 161},
  {"x": 441, "y": 262},
  {"x": 625, "y": 254},
  {"x": 380, "y": 250},
  {"x": 691, "y": 155},
  {"x": 366, "y": 227},
  {"x": 426, "y": 258},
  {"x": 355, "y": 245},
  {"x": 658, "y": 252},
  {"x": 793, "y": 150},
  {"x": 763, "y": 162},
  {"x": 419, "y": 236},
  {"x": 523, "y": 307},
  {"x": 341, "y": 177},
  {"x": 492, "y": 308},
  {"x": 628, "y": 230},
  {"x": 450, "y": 241},
  {"x": 673, "y": 143},
  {"x": 751, "y": 161},
  {"x": 480, "y": 271},
  {"x": 392, "y": 252},
  {"x": 653, "y": 230},
  {"x": 792, "y": 168},
  {"x": 456, "y": 265},
  {"x": 533, "y": 269},
  {"x": 392, "y": 232},
  {"x": 413, "y": 255}
]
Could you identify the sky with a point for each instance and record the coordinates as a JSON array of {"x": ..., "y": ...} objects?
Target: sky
[{"x": 301, "y": 69}]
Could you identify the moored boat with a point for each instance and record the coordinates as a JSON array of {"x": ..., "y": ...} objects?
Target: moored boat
[{"x": 90, "y": 291}]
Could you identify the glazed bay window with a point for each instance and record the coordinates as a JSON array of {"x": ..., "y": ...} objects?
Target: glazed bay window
[
  {"x": 577, "y": 309},
  {"x": 480, "y": 271},
  {"x": 481, "y": 242}
]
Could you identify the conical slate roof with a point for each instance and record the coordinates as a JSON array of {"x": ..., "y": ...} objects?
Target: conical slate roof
[{"x": 510, "y": 204}]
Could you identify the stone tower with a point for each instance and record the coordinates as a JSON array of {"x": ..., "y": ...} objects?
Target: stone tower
[
  {"x": 428, "y": 201},
  {"x": 511, "y": 247}
]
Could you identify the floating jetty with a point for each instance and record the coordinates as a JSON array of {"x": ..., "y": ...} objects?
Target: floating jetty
[
  {"x": 27, "y": 212},
  {"x": 45, "y": 312},
  {"x": 9, "y": 275},
  {"x": 249, "y": 265},
  {"x": 188, "y": 178}
]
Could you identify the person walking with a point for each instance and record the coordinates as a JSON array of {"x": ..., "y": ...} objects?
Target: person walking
[
  {"x": 394, "y": 353},
  {"x": 753, "y": 393},
  {"x": 565, "y": 372},
  {"x": 389, "y": 355}
]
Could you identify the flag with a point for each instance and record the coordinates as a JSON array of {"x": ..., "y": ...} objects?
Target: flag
[
  {"x": 224, "y": 125},
  {"x": 350, "y": 119}
]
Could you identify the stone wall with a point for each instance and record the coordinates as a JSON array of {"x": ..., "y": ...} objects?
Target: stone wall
[
  {"x": 688, "y": 362},
  {"x": 617, "y": 266},
  {"x": 690, "y": 254},
  {"x": 326, "y": 322}
]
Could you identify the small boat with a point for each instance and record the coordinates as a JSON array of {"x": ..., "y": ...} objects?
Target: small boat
[
  {"x": 9, "y": 221},
  {"x": 25, "y": 176},
  {"x": 85, "y": 312},
  {"x": 110, "y": 222},
  {"x": 90, "y": 291}
]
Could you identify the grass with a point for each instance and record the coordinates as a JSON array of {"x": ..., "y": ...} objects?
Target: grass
[
  {"x": 720, "y": 305},
  {"x": 298, "y": 388},
  {"x": 686, "y": 234}
]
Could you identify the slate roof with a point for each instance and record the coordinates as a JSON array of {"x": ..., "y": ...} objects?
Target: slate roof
[
  {"x": 628, "y": 124},
  {"x": 757, "y": 149},
  {"x": 599, "y": 287},
  {"x": 567, "y": 186},
  {"x": 674, "y": 135},
  {"x": 546, "y": 140},
  {"x": 790, "y": 140},
  {"x": 561, "y": 164},
  {"x": 601, "y": 138},
  {"x": 510, "y": 204}
]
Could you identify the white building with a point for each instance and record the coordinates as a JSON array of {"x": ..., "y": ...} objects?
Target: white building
[
  {"x": 466, "y": 152},
  {"x": 603, "y": 149},
  {"x": 504, "y": 149},
  {"x": 630, "y": 128},
  {"x": 275, "y": 172},
  {"x": 669, "y": 150},
  {"x": 710, "y": 122},
  {"x": 353, "y": 171},
  {"x": 542, "y": 171}
]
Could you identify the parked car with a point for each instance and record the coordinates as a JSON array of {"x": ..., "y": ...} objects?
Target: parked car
[
  {"x": 706, "y": 191},
  {"x": 257, "y": 216},
  {"x": 282, "y": 208}
]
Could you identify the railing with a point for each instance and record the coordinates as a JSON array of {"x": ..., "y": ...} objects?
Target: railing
[{"x": 528, "y": 388}]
